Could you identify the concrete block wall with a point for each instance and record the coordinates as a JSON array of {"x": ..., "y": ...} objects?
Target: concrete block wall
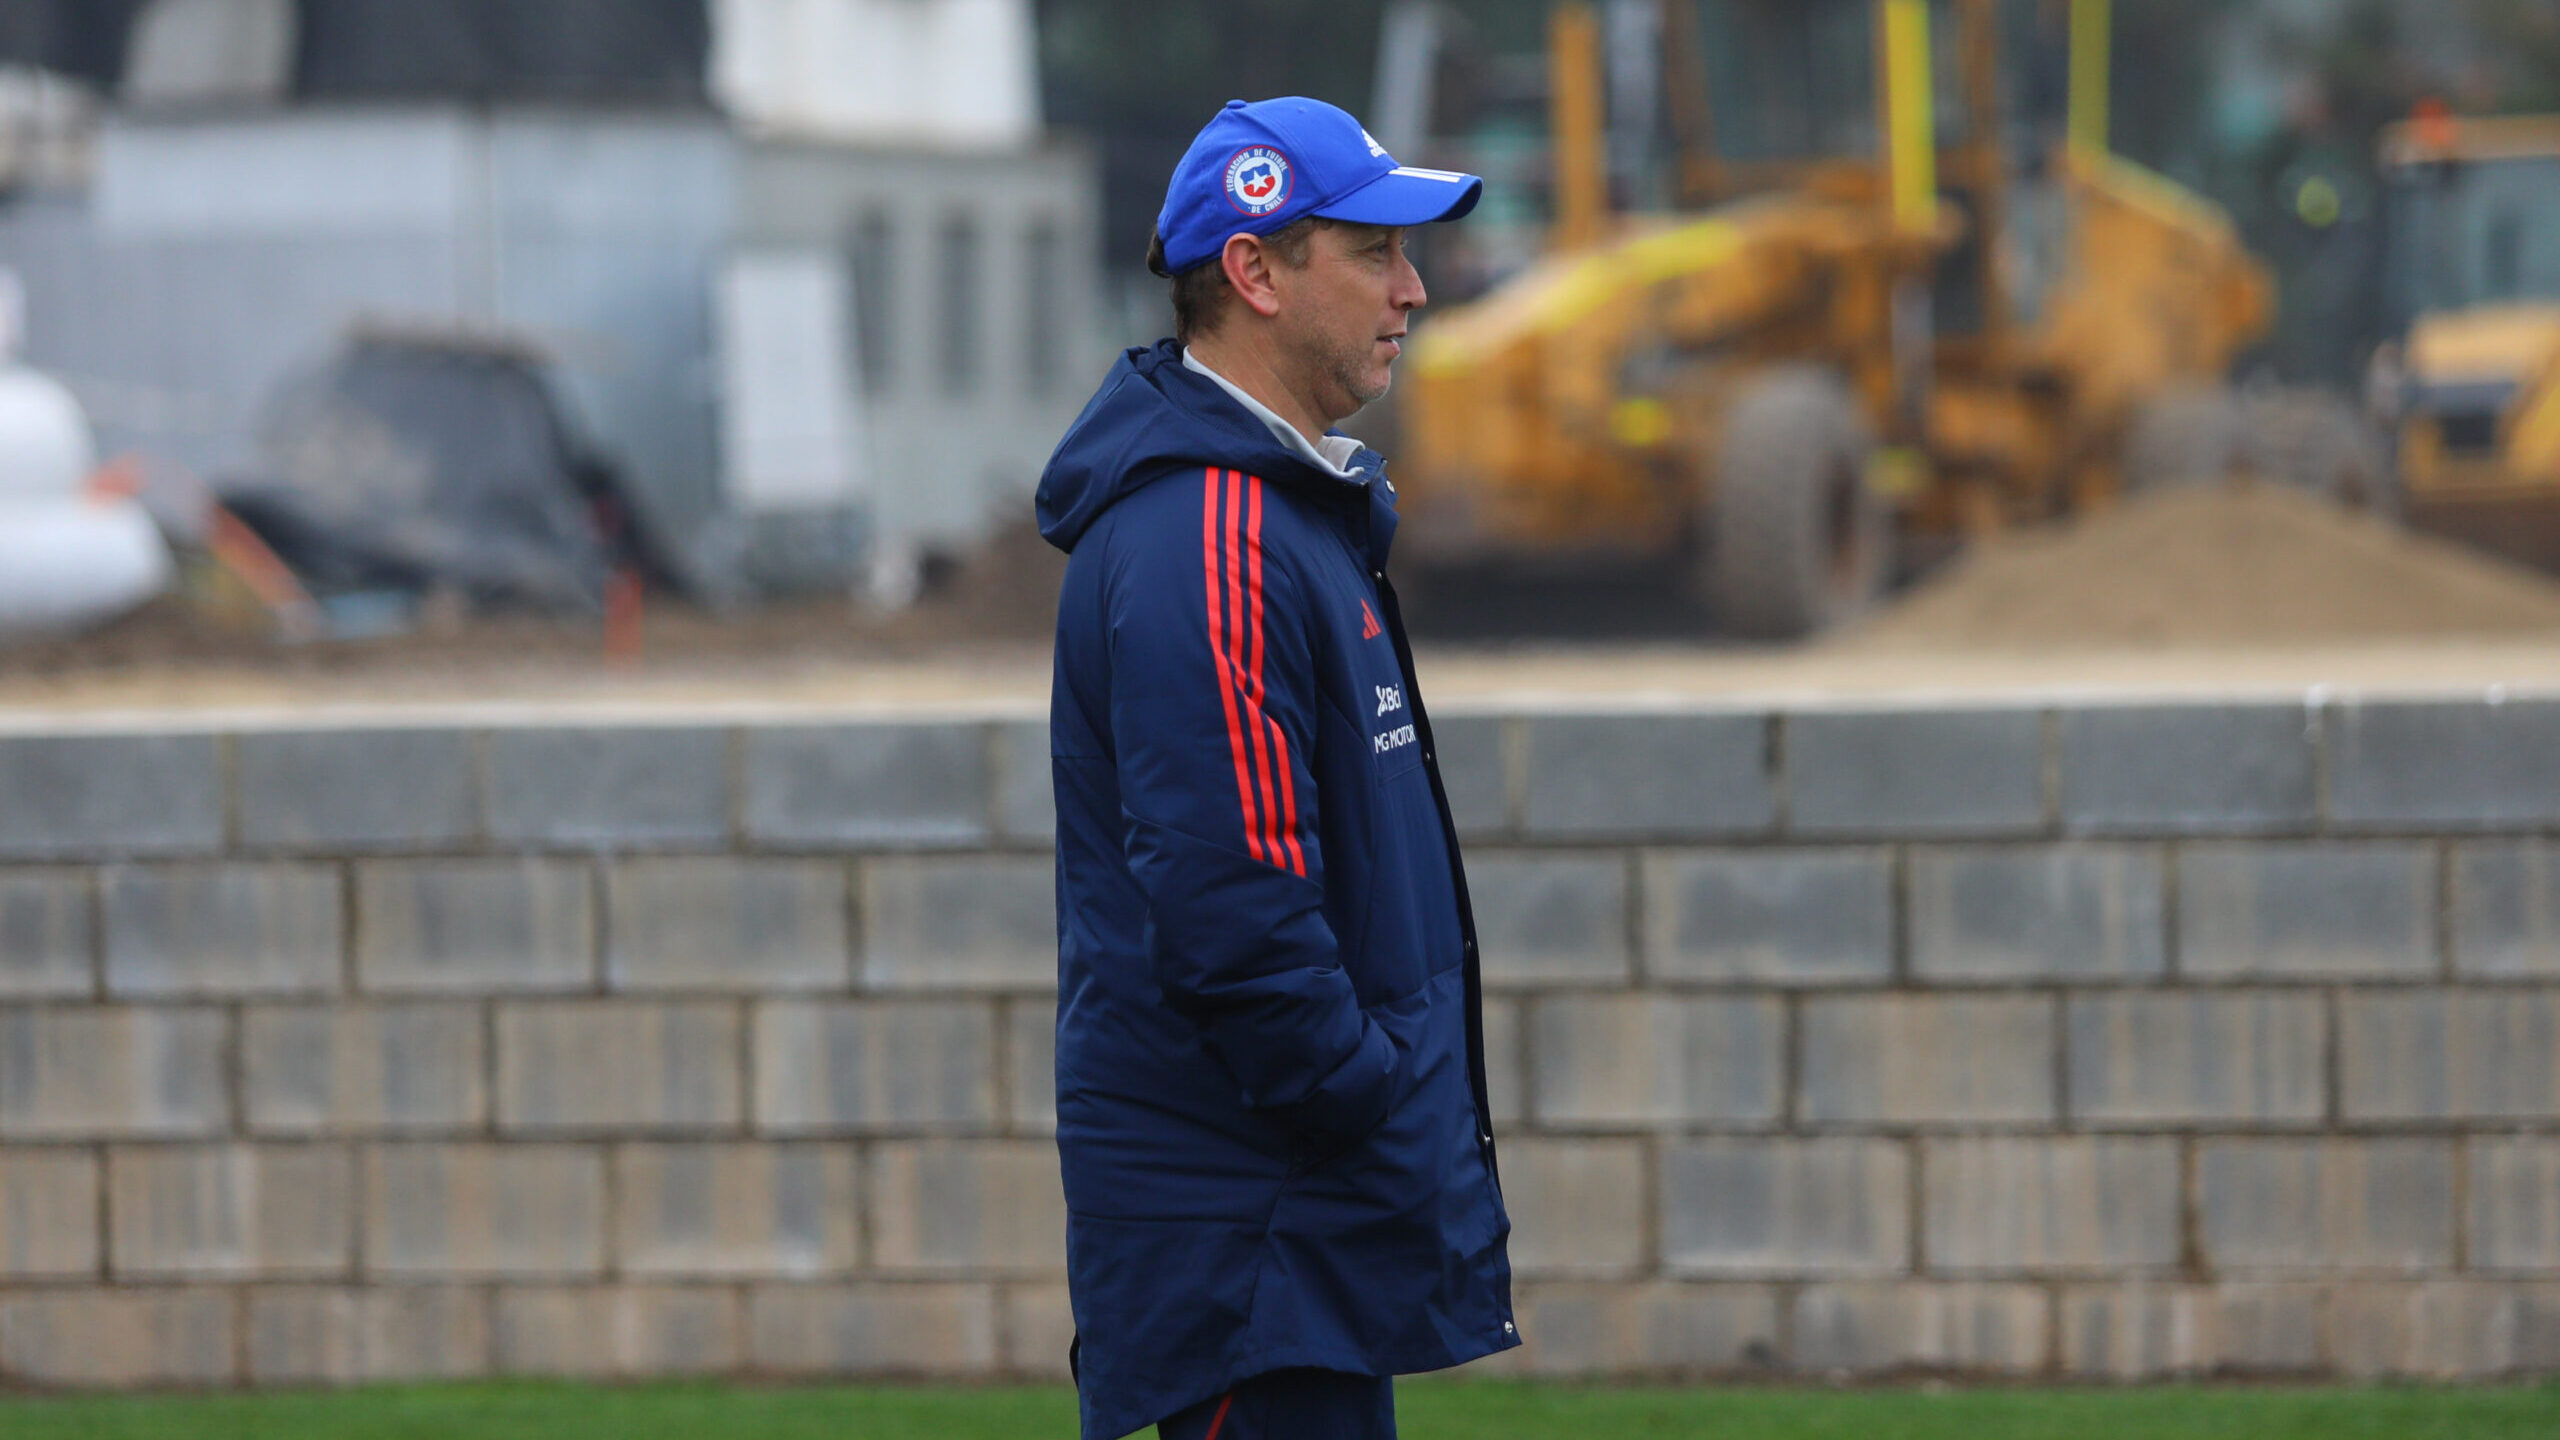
[{"x": 2070, "y": 1040}]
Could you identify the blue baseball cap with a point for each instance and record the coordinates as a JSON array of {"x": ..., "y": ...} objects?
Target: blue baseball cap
[{"x": 1256, "y": 168}]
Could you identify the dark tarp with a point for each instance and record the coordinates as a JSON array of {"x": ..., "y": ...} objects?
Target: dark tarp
[{"x": 423, "y": 463}]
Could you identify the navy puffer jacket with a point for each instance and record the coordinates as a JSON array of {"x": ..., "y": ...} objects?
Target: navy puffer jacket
[{"x": 1270, "y": 1064}]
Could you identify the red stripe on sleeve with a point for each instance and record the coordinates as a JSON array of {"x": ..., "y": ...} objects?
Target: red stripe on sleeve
[
  {"x": 1247, "y": 578},
  {"x": 1284, "y": 819},
  {"x": 1288, "y": 800},
  {"x": 1225, "y": 667}
]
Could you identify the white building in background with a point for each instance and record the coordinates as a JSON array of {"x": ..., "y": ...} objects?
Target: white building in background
[
  {"x": 845, "y": 312},
  {"x": 210, "y": 52},
  {"x": 924, "y": 72},
  {"x": 898, "y": 145}
]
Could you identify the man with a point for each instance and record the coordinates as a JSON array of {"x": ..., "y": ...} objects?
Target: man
[{"x": 1271, "y": 1104}]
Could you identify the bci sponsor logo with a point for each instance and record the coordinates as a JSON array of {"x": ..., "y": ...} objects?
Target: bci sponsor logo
[{"x": 1390, "y": 697}]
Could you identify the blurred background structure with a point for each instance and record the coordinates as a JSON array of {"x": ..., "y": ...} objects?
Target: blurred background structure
[
  {"x": 809, "y": 280},
  {"x": 385, "y": 310},
  {"x": 534, "y": 304}
]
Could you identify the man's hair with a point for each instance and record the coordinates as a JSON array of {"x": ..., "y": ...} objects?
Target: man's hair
[{"x": 1200, "y": 293}]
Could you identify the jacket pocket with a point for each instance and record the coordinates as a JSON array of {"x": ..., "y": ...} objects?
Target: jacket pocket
[{"x": 1312, "y": 1149}]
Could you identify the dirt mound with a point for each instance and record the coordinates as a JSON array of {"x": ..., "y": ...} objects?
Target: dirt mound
[{"x": 2254, "y": 566}]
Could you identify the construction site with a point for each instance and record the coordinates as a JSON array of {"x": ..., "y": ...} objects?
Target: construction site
[
  {"x": 2258, "y": 592},
  {"x": 1988, "y": 572},
  {"x": 1982, "y": 411}
]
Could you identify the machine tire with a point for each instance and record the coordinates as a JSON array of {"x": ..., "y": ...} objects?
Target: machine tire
[
  {"x": 2318, "y": 444},
  {"x": 1795, "y": 540},
  {"x": 2184, "y": 437}
]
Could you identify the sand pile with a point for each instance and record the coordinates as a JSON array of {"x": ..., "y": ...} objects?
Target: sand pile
[{"x": 2255, "y": 566}]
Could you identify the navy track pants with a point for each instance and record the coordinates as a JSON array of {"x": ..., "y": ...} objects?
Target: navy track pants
[{"x": 1292, "y": 1405}]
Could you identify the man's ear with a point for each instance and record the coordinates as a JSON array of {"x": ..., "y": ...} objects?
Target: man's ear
[{"x": 1247, "y": 264}]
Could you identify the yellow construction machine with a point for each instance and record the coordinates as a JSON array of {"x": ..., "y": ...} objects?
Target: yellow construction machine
[
  {"x": 2472, "y": 212},
  {"x": 1831, "y": 358}
]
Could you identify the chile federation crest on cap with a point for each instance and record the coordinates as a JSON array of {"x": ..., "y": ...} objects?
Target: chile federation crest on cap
[{"x": 1258, "y": 180}]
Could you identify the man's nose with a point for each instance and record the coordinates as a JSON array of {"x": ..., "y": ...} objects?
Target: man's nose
[{"x": 1408, "y": 293}]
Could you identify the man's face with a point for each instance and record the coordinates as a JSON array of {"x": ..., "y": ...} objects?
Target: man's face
[{"x": 1342, "y": 315}]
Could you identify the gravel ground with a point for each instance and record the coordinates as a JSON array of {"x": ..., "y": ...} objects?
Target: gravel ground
[
  {"x": 1454, "y": 677},
  {"x": 2184, "y": 593}
]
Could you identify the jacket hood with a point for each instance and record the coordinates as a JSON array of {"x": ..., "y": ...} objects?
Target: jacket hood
[{"x": 1155, "y": 416}]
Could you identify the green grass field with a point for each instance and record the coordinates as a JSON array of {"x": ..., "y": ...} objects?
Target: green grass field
[{"x": 1462, "y": 1411}]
